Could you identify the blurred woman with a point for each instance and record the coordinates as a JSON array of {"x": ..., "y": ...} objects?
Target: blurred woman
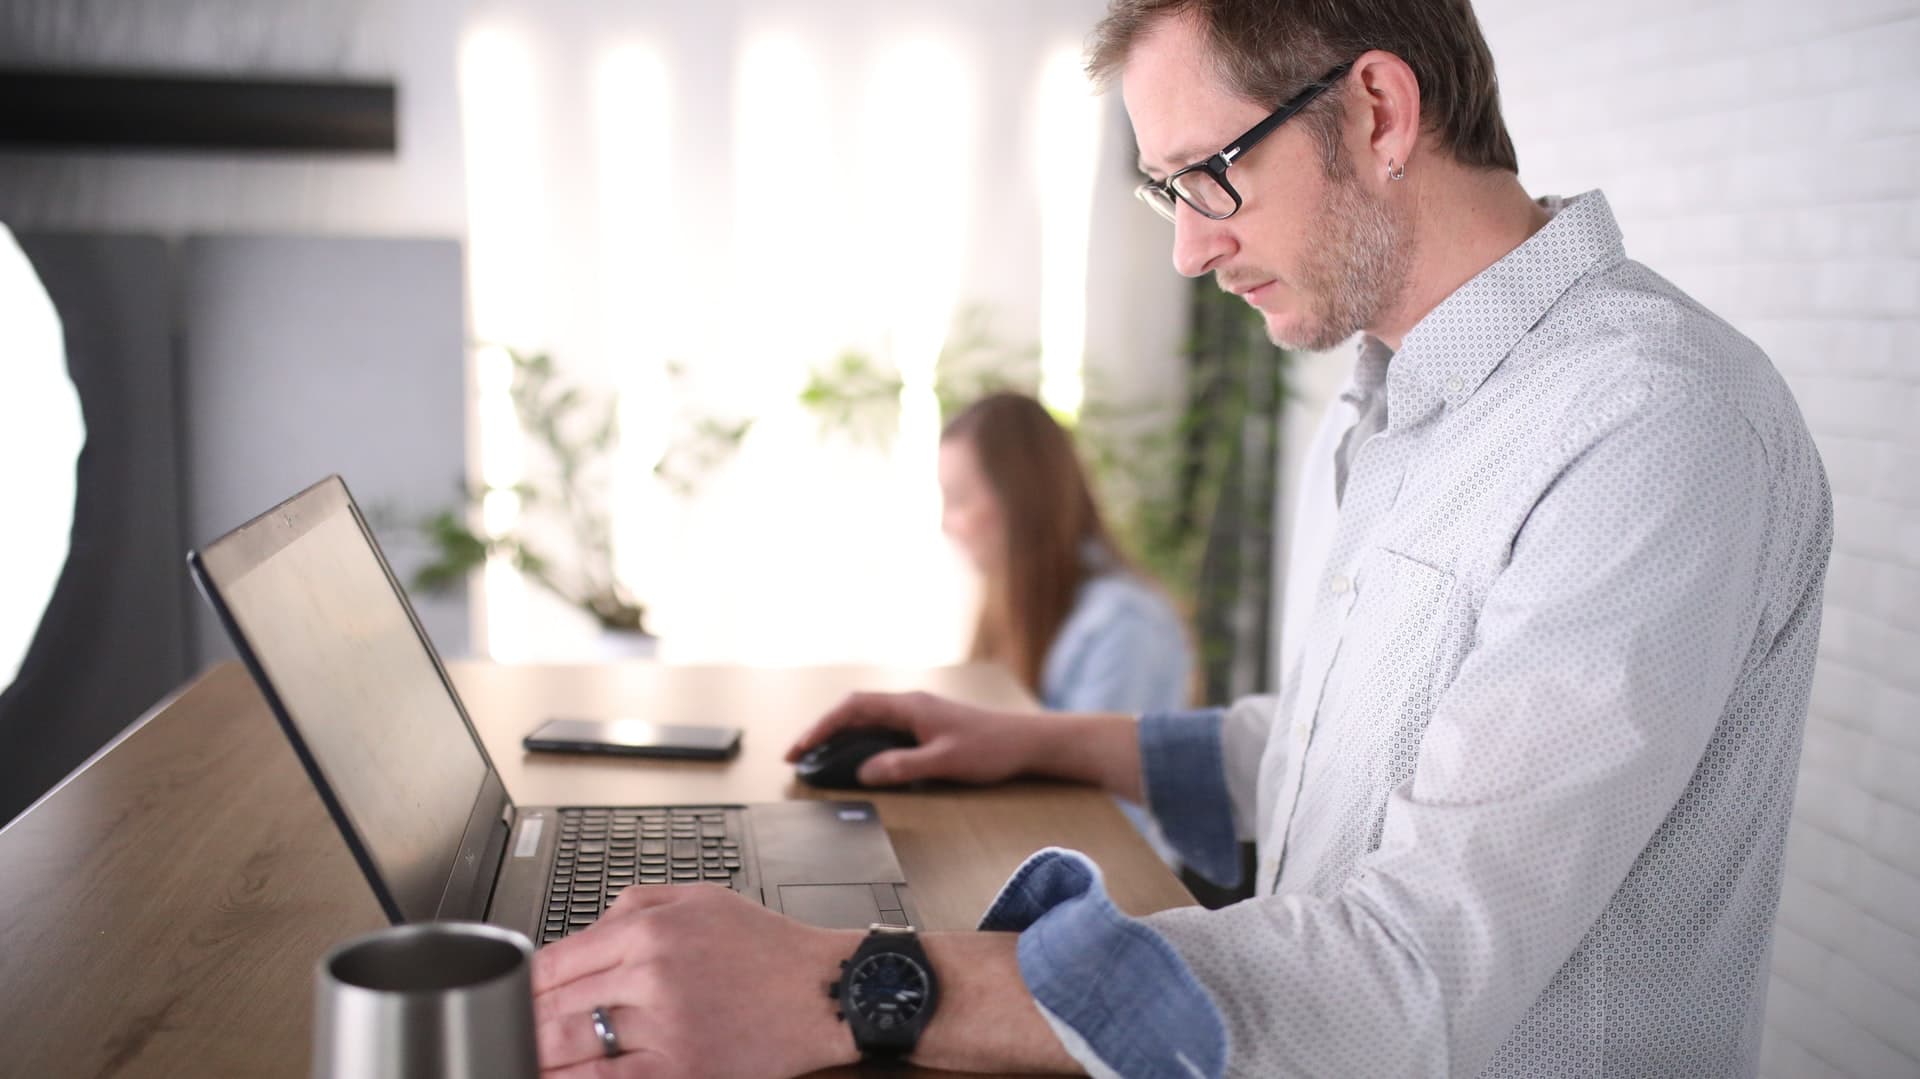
[{"x": 1062, "y": 607}]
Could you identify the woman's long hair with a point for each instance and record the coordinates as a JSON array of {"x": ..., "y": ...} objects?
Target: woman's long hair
[{"x": 1053, "y": 529}]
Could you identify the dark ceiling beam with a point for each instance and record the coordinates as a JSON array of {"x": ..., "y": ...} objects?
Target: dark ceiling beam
[{"x": 133, "y": 111}]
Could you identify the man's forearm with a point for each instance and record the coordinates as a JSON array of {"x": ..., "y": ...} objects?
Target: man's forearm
[
  {"x": 1101, "y": 749},
  {"x": 986, "y": 1020}
]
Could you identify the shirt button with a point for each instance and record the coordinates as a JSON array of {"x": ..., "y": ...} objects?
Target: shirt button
[
  {"x": 1341, "y": 584},
  {"x": 1455, "y": 385}
]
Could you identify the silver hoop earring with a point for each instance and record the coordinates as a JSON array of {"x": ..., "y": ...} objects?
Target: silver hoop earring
[{"x": 1395, "y": 174}]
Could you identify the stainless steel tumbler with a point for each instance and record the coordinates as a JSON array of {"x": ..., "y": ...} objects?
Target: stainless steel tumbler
[{"x": 435, "y": 999}]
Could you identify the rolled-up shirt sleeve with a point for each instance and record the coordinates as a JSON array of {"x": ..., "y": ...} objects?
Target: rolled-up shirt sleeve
[
  {"x": 1121, "y": 1000},
  {"x": 1185, "y": 776},
  {"x": 1201, "y": 772}
]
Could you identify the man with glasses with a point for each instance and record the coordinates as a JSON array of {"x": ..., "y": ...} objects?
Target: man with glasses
[{"x": 1521, "y": 797}]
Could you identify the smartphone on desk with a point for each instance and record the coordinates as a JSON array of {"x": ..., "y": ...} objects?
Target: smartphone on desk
[{"x": 635, "y": 738}]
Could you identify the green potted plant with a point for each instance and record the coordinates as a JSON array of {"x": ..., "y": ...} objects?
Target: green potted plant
[{"x": 562, "y": 538}]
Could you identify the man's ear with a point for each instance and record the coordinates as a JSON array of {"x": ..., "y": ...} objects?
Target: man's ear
[{"x": 1384, "y": 105}]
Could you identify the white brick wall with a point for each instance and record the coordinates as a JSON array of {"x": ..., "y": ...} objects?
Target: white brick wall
[{"x": 1765, "y": 156}]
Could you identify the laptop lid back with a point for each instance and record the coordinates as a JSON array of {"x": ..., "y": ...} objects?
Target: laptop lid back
[{"x": 328, "y": 634}]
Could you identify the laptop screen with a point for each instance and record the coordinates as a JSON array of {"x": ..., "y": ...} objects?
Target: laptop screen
[{"x": 336, "y": 641}]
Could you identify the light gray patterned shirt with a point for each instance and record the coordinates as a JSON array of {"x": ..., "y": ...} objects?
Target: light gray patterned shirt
[{"x": 1521, "y": 801}]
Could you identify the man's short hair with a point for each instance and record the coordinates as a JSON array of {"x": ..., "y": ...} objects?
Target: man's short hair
[{"x": 1266, "y": 50}]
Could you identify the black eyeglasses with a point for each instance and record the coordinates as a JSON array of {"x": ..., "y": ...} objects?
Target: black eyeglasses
[{"x": 1204, "y": 186}]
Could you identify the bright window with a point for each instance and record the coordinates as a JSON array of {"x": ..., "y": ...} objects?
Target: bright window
[{"x": 709, "y": 228}]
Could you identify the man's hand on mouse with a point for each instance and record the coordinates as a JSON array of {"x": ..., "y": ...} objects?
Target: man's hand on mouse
[{"x": 957, "y": 741}]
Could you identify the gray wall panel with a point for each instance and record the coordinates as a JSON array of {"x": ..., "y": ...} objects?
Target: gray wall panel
[{"x": 311, "y": 355}]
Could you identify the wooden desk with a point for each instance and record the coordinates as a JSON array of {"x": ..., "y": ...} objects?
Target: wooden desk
[{"x": 161, "y": 913}]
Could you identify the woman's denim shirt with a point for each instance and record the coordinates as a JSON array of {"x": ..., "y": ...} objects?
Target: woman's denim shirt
[{"x": 1121, "y": 649}]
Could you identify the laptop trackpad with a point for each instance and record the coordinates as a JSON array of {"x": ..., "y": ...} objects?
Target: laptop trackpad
[{"x": 831, "y": 906}]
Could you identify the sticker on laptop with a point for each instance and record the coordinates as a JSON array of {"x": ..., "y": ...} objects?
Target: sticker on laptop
[{"x": 530, "y": 838}]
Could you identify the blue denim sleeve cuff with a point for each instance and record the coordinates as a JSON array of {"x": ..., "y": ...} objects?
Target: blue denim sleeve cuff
[
  {"x": 1186, "y": 779},
  {"x": 1108, "y": 978}
]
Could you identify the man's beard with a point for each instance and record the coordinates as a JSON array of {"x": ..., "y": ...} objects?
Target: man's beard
[{"x": 1355, "y": 270}]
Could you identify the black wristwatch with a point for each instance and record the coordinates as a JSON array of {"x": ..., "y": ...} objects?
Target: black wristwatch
[{"x": 887, "y": 993}]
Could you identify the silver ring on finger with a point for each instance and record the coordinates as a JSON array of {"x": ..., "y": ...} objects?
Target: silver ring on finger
[{"x": 603, "y": 1029}]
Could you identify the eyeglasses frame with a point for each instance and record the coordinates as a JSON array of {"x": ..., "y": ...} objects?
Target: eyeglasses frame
[{"x": 1160, "y": 194}]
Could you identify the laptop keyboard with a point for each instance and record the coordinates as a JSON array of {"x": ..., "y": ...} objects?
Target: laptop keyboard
[{"x": 603, "y": 852}]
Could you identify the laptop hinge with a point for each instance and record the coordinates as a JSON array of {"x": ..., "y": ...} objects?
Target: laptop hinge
[{"x": 482, "y": 844}]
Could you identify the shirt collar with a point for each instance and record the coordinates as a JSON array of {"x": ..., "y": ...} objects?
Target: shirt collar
[
  {"x": 1369, "y": 372},
  {"x": 1450, "y": 352}
]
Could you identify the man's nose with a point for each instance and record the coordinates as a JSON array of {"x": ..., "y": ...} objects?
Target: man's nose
[{"x": 1199, "y": 243}]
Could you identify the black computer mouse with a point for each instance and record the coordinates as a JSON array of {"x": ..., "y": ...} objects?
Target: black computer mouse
[{"x": 835, "y": 763}]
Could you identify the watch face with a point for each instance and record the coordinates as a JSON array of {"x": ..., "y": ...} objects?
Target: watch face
[{"x": 888, "y": 990}]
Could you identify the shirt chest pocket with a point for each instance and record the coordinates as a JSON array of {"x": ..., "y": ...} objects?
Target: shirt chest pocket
[{"x": 1380, "y": 693}]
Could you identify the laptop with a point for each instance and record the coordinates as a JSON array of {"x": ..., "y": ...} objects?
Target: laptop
[{"x": 326, "y": 630}]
